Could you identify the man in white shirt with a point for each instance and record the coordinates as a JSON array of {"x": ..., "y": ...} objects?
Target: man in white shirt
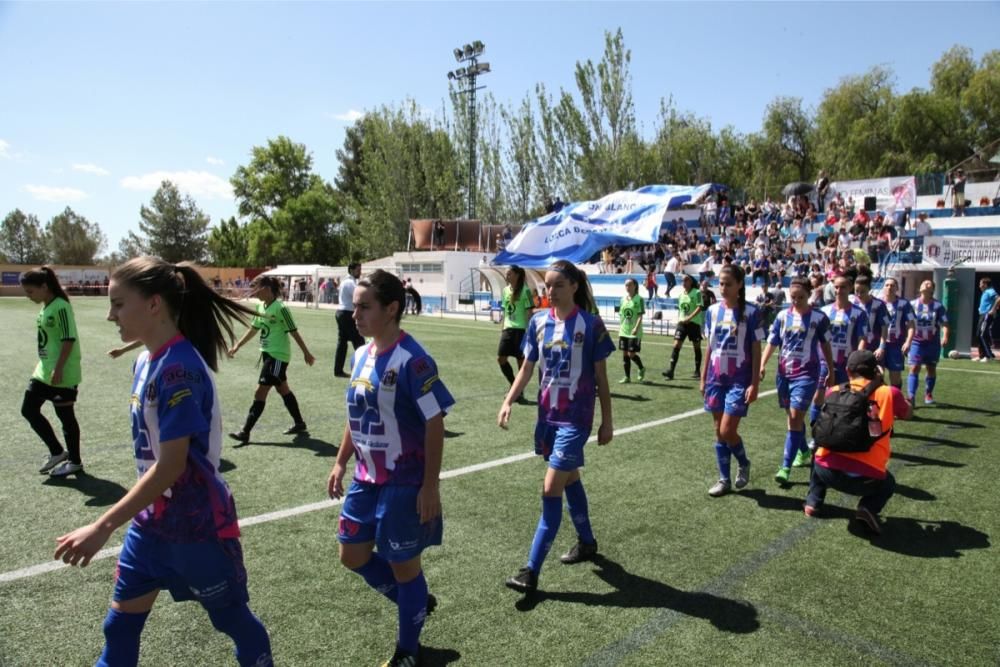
[{"x": 347, "y": 330}]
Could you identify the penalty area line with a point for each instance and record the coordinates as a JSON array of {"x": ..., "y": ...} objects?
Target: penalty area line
[{"x": 54, "y": 565}]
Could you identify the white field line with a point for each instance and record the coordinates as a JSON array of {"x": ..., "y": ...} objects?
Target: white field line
[{"x": 52, "y": 566}]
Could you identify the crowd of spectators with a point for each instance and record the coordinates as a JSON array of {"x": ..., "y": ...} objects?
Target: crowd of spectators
[{"x": 771, "y": 241}]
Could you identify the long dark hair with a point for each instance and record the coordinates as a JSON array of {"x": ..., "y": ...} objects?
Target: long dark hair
[
  {"x": 519, "y": 272},
  {"x": 202, "y": 315},
  {"x": 736, "y": 273},
  {"x": 44, "y": 275},
  {"x": 583, "y": 297},
  {"x": 388, "y": 289}
]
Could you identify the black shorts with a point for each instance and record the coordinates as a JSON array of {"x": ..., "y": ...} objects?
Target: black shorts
[
  {"x": 510, "y": 343},
  {"x": 688, "y": 330},
  {"x": 272, "y": 371},
  {"x": 47, "y": 392},
  {"x": 629, "y": 344}
]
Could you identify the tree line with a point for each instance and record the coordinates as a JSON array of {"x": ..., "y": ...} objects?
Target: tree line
[{"x": 399, "y": 162}]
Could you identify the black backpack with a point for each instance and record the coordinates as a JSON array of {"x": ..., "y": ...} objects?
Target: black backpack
[{"x": 843, "y": 420}]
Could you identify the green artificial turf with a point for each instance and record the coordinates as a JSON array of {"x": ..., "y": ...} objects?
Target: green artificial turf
[{"x": 683, "y": 579}]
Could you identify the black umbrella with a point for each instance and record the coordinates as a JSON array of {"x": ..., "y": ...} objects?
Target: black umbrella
[{"x": 797, "y": 188}]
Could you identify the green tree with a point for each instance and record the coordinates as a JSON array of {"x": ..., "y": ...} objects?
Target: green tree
[
  {"x": 981, "y": 101},
  {"x": 227, "y": 244},
  {"x": 308, "y": 229},
  {"x": 73, "y": 239},
  {"x": 174, "y": 227},
  {"x": 787, "y": 140},
  {"x": 277, "y": 173},
  {"x": 22, "y": 240}
]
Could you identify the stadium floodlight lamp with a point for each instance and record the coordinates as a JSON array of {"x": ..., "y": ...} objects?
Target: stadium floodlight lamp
[
  {"x": 460, "y": 73},
  {"x": 477, "y": 48},
  {"x": 459, "y": 54},
  {"x": 482, "y": 68},
  {"x": 451, "y": 76},
  {"x": 468, "y": 50}
]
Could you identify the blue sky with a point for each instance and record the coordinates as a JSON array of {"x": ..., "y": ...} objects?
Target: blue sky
[{"x": 101, "y": 101}]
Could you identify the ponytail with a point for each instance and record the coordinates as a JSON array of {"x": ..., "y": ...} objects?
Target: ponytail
[
  {"x": 202, "y": 315},
  {"x": 583, "y": 297},
  {"x": 44, "y": 275}
]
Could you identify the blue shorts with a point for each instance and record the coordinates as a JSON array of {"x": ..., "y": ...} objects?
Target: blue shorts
[
  {"x": 731, "y": 399},
  {"x": 210, "y": 572},
  {"x": 839, "y": 373},
  {"x": 797, "y": 393},
  {"x": 893, "y": 359},
  {"x": 561, "y": 446},
  {"x": 927, "y": 353},
  {"x": 387, "y": 515}
]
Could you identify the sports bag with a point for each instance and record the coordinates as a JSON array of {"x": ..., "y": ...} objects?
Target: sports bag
[{"x": 846, "y": 422}]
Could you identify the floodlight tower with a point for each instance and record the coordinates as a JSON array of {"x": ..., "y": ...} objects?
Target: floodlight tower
[{"x": 466, "y": 77}]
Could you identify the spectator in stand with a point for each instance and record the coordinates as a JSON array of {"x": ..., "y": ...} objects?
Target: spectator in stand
[
  {"x": 958, "y": 193},
  {"x": 439, "y": 232},
  {"x": 762, "y": 269},
  {"x": 822, "y": 189},
  {"x": 650, "y": 282},
  {"x": 921, "y": 230},
  {"x": 752, "y": 210},
  {"x": 706, "y": 269},
  {"x": 670, "y": 272},
  {"x": 849, "y": 206}
]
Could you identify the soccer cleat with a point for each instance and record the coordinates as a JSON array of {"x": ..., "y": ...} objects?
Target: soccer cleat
[
  {"x": 810, "y": 510},
  {"x": 720, "y": 488},
  {"x": 781, "y": 477},
  {"x": 802, "y": 459},
  {"x": 869, "y": 519},
  {"x": 696, "y": 375},
  {"x": 52, "y": 462},
  {"x": 984, "y": 360},
  {"x": 669, "y": 374},
  {"x": 241, "y": 437},
  {"x": 625, "y": 380},
  {"x": 525, "y": 581},
  {"x": 402, "y": 658},
  {"x": 742, "y": 476},
  {"x": 295, "y": 429},
  {"x": 341, "y": 374},
  {"x": 928, "y": 399},
  {"x": 642, "y": 375},
  {"x": 65, "y": 469},
  {"x": 580, "y": 552}
]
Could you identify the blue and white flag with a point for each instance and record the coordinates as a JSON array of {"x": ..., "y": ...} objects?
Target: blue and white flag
[{"x": 579, "y": 231}]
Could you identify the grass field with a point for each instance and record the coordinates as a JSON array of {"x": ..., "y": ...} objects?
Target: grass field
[{"x": 683, "y": 579}]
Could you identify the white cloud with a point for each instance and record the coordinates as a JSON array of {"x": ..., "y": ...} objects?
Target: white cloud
[
  {"x": 196, "y": 183},
  {"x": 348, "y": 117},
  {"x": 48, "y": 193},
  {"x": 91, "y": 169},
  {"x": 4, "y": 146},
  {"x": 214, "y": 160}
]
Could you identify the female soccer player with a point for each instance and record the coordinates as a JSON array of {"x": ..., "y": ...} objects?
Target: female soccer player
[
  {"x": 57, "y": 373},
  {"x": 573, "y": 346},
  {"x": 396, "y": 405},
  {"x": 731, "y": 378},
  {"x": 275, "y": 324},
  {"x": 517, "y": 304},
  {"x": 630, "y": 313},
  {"x": 184, "y": 535},
  {"x": 691, "y": 316},
  {"x": 930, "y": 333},
  {"x": 896, "y": 345},
  {"x": 801, "y": 332}
]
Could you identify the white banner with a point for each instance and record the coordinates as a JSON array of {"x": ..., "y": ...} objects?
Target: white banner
[
  {"x": 894, "y": 192},
  {"x": 981, "y": 252}
]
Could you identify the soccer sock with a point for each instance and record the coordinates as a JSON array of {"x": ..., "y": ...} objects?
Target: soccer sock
[
  {"x": 911, "y": 384},
  {"x": 628, "y": 365},
  {"x": 579, "y": 511},
  {"x": 740, "y": 453},
  {"x": 292, "y": 405},
  {"x": 121, "y": 638},
  {"x": 673, "y": 359},
  {"x": 412, "y": 612},
  {"x": 377, "y": 574},
  {"x": 508, "y": 371},
  {"x": 253, "y": 647},
  {"x": 929, "y": 383},
  {"x": 638, "y": 362},
  {"x": 791, "y": 446},
  {"x": 31, "y": 409},
  {"x": 697, "y": 360},
  {"x": 256, "y": 410},
  {"x": 71, "y": 431},
  {"x": 800, "y": 440},
  {"x": 723, "y": 456},
  {"x": 814, "y": 411},
  {"x": 548, "y": 526}
]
